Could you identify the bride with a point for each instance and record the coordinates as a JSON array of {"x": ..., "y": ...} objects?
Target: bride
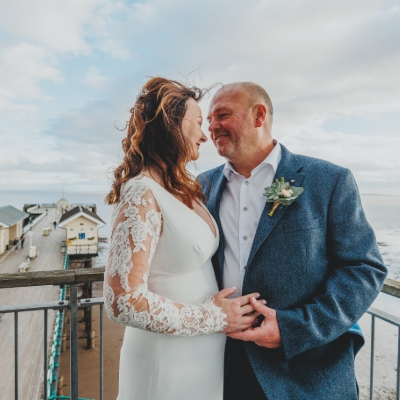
[{"x": 159, "y": 281}]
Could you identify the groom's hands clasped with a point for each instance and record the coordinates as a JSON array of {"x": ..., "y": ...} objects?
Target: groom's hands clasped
[
  {"x": 267, "y": 334},
  {"x": 240, "y": 314}
]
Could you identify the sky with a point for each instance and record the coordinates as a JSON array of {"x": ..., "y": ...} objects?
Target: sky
[{"x": 71, "y": 71}]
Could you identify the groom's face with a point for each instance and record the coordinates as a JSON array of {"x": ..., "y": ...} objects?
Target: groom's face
[{"x": 231, "y": 124}]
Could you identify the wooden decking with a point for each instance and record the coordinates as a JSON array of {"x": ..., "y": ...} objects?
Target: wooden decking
[{"x": 30, "y": 324}]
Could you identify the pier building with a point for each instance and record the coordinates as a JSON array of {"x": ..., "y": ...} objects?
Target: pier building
[
  {"x": 81, "y": 227},
  {"x": 11, "y": 226}
]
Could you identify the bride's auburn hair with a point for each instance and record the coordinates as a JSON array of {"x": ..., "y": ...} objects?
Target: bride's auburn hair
[{"x": 155, "y": 139}]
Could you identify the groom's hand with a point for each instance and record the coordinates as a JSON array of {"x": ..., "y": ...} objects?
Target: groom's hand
[
  {"x": 265, "y": 335},
  {"x": 240, "y": 314}
]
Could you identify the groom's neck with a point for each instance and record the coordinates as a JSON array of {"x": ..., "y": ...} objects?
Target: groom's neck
[{"x": 246, "y": 164}]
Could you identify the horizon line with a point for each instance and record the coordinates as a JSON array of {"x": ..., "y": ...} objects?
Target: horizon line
[{"x": 100, "y": 192}]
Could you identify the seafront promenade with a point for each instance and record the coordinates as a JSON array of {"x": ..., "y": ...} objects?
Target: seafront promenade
[{"x": 30, "y": 325}]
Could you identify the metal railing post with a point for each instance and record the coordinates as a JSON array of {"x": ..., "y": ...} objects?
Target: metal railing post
[
  {"x": 73, "y": 298},
  {"x": 398, "y": 366},
  {"x": 371, "y": 378},
  {"x": 45, "y": 355},
  {"x": 101, "y": 351},
  {"x": 16, "y": 355}
]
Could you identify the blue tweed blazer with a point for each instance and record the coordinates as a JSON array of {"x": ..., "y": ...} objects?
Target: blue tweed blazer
[{"x": 317, "y": 263}]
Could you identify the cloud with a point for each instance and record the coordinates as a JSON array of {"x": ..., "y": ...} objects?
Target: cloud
[
  {"x": 55, "y": 25},
  {"x": 22, "y": 67},
  {"x": 94, "y": 78},
  {"x": 329, "y": 68},
  {"x": 38, "y": 37},
  {"x": 29, "y": 180}
]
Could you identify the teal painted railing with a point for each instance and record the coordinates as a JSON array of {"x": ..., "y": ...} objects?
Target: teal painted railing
[
  {"x": 52, "y": 374},
  {"x": 66, "y": 397}
]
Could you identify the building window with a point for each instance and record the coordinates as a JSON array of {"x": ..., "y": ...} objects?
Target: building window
[{"x": 81, "y": 236}]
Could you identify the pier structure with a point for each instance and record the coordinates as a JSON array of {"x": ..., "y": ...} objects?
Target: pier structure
[
  {"x": 46, "y": 247},
  {"x": 48, "y": 257},
  {"x": 50, "y": 250}
]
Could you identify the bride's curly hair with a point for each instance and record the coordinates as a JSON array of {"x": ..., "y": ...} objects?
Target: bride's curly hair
[{"x": 155, "y": 139}]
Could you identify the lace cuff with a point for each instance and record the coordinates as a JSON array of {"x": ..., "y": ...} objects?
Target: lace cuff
[{"x": 166, "y": 316}]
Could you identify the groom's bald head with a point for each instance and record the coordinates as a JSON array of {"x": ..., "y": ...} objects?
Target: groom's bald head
[
  {"x": 251, "y": 93},
  {"x": 240, "y": 117}
]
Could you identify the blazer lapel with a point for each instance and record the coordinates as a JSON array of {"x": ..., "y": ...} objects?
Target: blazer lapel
[
  {"x": 288, "y": 168},
  {"x": 214, "y": 200}
]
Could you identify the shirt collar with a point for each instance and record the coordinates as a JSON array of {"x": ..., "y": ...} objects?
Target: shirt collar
[{"x": 272, "y": 159}]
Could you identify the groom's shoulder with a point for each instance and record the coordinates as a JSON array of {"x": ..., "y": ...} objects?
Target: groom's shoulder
[
  {"x": 208, "y": 175},
  {"x": 319, "y": 166},
  {"x": 206, "y": 178}
]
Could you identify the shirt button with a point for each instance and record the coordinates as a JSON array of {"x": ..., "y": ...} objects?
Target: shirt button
[
  {"x": 246, "y": 182},
  {"x": 244, "y": 237},
  {"x": 245, "y": 208}
]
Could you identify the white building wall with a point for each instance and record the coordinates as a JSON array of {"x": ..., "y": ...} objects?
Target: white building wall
[
  {"x": 82, "y": 225},
  {"x": 2, "y": 244},
  {"x": 19, "y": 229},
  {"x": 12, "y": 232},
  {"x": 15, "y": 231},
  {"x": 4, "y": 235}
]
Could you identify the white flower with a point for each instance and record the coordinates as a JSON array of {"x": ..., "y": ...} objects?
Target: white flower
[{"x": 286, "y": 193}]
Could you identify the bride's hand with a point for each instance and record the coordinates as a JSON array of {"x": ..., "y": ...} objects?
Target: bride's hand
[{"x": 240, "y": 314}]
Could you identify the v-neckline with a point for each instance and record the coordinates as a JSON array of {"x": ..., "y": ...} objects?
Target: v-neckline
[{"x": 184, "y": 205}]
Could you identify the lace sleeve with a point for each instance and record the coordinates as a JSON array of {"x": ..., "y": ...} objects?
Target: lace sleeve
[{"x": 137, "y": 223}]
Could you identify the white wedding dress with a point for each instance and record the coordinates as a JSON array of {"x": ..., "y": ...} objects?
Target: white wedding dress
[{"x": 158, "y": 282}]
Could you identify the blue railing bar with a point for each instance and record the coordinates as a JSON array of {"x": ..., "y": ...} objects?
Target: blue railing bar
[
  {"x": 66, "y": 397},
  {"x": 16, "y": 355},
  {"x": 52, "y": 373},
  {"x": 73, "y": 299},
  {"x": 101, "y": 352},
  {"x": 398, "y": 366},
  {"x": 55, "y": 305},
  {"x": 372, "y": 362},
  {"x": 385, "y": 316},
  {"x": 66, "y": 262},
  {"x": 45, "y": 354}
]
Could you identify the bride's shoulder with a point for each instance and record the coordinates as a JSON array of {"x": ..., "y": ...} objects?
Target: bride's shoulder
[{"x": 133, "y": 189}]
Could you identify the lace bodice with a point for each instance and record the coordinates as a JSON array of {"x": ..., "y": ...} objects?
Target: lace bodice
[{"x": 137, "y": 223}]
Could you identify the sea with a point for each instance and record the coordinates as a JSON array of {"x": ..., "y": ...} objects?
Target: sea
[{"x": 383, "y": 213}]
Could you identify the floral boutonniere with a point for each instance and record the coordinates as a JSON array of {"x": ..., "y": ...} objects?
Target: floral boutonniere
[{"x": 280, "y": 192}]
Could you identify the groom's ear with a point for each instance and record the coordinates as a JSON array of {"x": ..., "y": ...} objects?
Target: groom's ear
[{"x": 260, "y": 115}]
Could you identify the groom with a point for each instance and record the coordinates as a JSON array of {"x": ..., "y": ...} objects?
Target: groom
[{"x": 315, "y": 262}]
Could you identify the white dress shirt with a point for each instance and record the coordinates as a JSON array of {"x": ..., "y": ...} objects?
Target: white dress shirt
[{"x": 241, "y": 207}]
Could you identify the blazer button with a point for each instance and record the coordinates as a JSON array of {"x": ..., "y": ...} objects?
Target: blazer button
[{"x": 244, "y": 237}]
